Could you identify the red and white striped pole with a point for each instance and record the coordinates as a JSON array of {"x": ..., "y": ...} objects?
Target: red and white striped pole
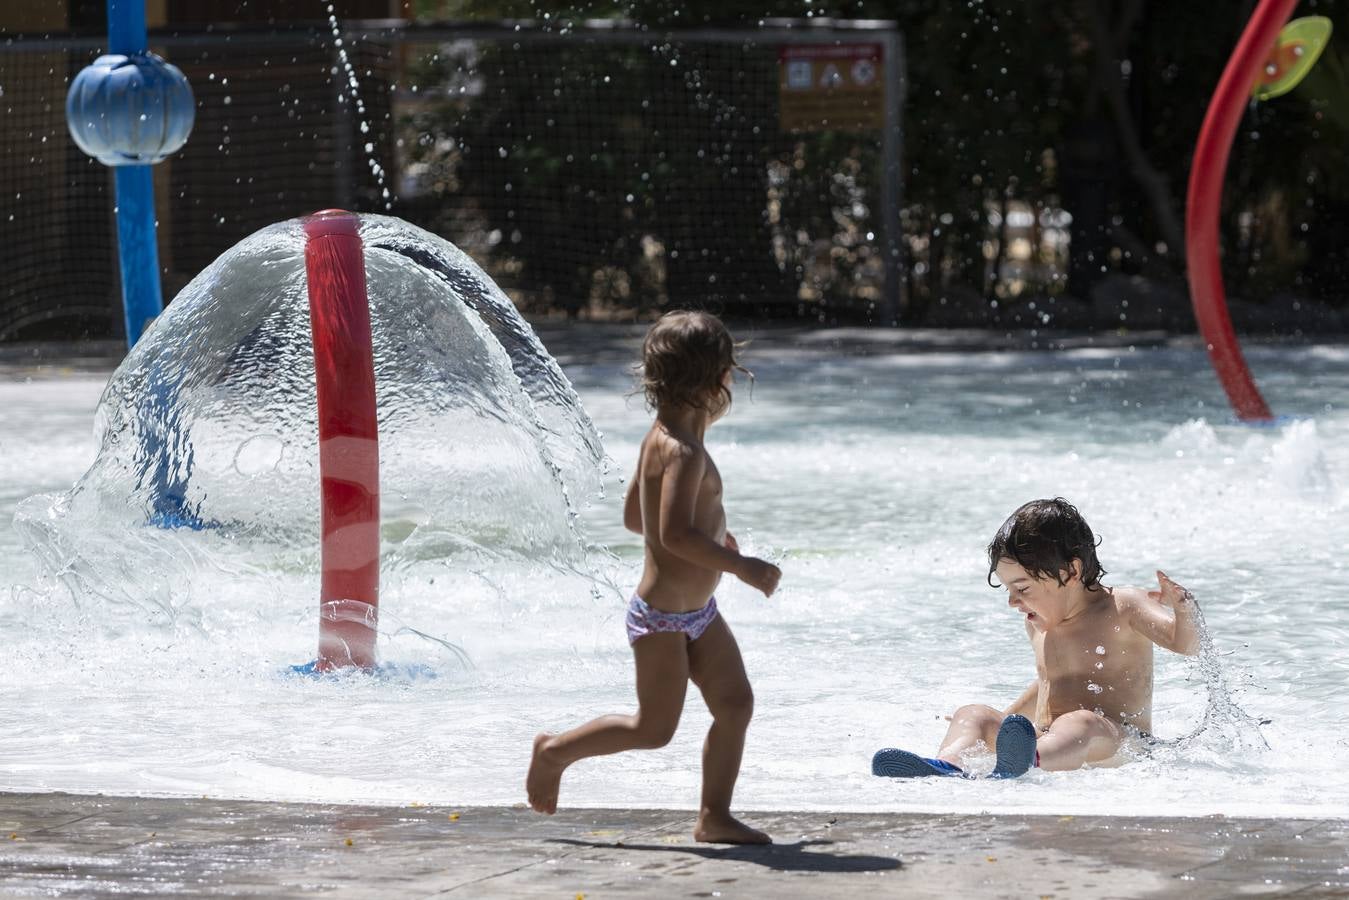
[{"x": 339, "y": 318}]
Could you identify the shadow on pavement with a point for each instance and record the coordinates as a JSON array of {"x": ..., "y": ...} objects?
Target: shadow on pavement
[{"x": 781, "y": 857}]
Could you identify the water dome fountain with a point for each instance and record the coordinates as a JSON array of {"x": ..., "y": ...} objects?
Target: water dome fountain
[{"x": 209, "y": 439}]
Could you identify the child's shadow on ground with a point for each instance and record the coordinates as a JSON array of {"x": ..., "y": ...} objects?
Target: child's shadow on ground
[{"x": 782, "y": 857}]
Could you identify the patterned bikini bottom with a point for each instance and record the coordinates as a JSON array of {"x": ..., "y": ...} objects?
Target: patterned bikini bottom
[{"x": 644, "y": 619}]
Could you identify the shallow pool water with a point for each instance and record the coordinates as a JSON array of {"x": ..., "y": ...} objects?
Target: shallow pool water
[{"x": 875, "y": 479}]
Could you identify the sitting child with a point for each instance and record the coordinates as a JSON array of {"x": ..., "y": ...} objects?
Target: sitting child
[{"x": 1093, "y": 654}]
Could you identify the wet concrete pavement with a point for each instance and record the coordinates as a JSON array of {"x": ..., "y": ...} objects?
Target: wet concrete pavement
[{"x": 62, "y": 845}]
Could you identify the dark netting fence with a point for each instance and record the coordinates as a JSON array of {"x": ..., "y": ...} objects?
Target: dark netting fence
[
  {"x": 600, "y": 173},
  {"x": 57, "y": 253}
]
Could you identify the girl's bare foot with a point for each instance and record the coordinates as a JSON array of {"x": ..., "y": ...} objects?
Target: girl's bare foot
[
  {"x": 723, "y": 828},
  {"x": 544, "y": 778}
]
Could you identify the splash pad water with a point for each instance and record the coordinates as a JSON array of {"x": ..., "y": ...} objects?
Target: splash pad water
[{"x": 874, "y": 478}]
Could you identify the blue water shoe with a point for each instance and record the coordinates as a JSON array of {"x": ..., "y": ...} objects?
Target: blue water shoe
[
  {"x": 1015, "y": 748},
  {"x": 892, "y": 763}
]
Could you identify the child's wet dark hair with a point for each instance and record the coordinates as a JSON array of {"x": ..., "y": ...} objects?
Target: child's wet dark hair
[
  {"x": 684, "y": 357},
  {"x": 1044, "y": 537}
]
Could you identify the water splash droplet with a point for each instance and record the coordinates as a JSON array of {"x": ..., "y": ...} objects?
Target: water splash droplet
[
  {"x": 1225, "y": 724},
  {"x": 352, "y": 89}
]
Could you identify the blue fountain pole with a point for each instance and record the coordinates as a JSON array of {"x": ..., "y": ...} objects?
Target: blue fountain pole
[
  {"x": 137, "y": 250},
  {"x": 130, "y": 109}
]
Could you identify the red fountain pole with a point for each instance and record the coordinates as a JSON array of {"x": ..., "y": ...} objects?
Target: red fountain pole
[
  {"x": 1204, "y": 201},
  {"x": 339, "y": 317}
]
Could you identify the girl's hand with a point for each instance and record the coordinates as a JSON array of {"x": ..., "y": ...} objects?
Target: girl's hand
[
  {"x": 1171, "y": 594},
  {"x": 731, "y": 542},
  {"x": 757, "y": 573}
]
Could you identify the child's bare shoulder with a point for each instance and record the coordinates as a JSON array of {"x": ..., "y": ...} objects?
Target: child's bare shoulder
[
  {"x": 1132, "y": 604},
  {"x": 662, "y": 449},
  {"x": 1128, "y": 599},
  {"x": 1129, "y": 594}
]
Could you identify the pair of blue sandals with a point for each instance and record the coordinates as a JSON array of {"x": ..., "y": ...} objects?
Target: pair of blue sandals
[{"x": 1015, "y": 755}]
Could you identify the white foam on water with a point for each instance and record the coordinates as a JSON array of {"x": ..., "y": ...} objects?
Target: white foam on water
[{"x": 876, "y": 482}]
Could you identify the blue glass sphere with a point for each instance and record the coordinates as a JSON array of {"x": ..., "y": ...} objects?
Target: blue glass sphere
[{"x": 130, "y": 110}]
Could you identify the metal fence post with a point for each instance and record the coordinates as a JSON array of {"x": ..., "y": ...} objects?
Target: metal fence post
[{"x": 892, "y": 181}]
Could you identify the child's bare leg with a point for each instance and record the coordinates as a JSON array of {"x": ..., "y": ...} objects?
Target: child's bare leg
[
  {"x": 1078, "y": 738},
  {"x": 662, "y": 680},
  {"x": 970, "y": 725},
  {"x": 716, "y": 667}
]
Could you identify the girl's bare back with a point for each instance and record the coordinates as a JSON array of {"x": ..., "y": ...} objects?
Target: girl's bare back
[{"x": 673, "y": 462}]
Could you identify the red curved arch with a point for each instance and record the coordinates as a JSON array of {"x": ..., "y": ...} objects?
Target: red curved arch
[{"x": 1203, "y": 203}]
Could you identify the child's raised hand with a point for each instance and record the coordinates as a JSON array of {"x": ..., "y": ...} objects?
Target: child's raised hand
[
  {"x": 732, "y": 543},
  {"x": 759, "y": 574},
  {"x": 1171, "y": 594}
]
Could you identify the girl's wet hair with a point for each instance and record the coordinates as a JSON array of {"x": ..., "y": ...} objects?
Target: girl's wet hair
[
  {"x": 684, "y": 357},
  {"x": 1044, "y": 537}
]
